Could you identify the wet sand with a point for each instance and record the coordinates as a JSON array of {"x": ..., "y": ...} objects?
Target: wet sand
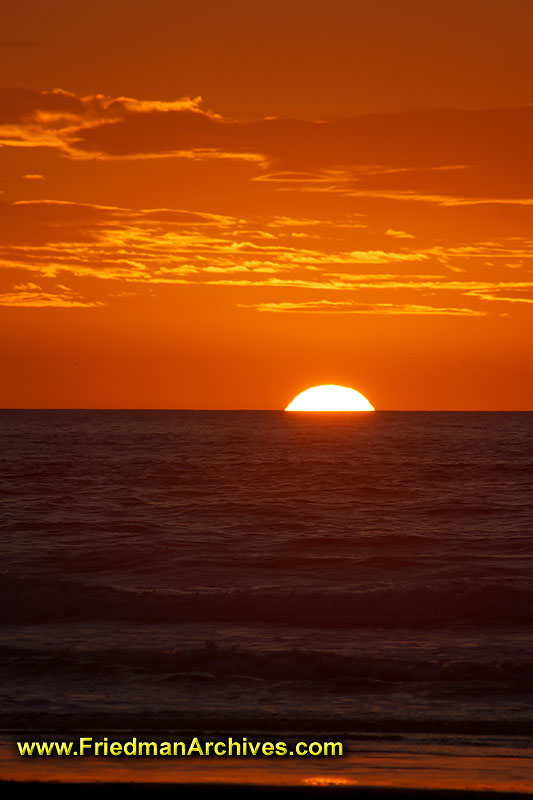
[
  {"x": 373, "y": 774},
  {"x": 13, "y": 788}
]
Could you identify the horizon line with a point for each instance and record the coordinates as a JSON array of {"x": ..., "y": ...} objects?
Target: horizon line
[{"x": 274, "y": 410}]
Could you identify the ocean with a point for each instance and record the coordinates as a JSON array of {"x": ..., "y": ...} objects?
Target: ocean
[{"x": 364, "y": 577}]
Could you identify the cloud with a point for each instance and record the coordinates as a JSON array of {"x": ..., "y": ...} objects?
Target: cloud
[
  {"x": 28, "y": 106},
  {"x": 58, "y": 242},
  {"x": 439, "y": 156},
  {"x": 398, "y": 234},
  {"x": 31, "y": 118},
  {"x": 380, "y": 144},
  {"x": 33, "y": 296},
  {"x": 347, "y": 307},
  {"x": 416, "y": 213}
]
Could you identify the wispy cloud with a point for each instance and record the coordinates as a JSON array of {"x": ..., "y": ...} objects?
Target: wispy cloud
[
  {"x": 398, "y": 234},
  {"x": 55, "y": 240},
  {"x": 33, "y": 296},
  {"x": 347, "y": 307}
]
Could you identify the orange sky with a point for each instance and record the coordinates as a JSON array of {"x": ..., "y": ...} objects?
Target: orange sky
[{"x": 217, "y": 205}]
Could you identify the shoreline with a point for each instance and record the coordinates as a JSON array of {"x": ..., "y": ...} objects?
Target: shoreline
[
  {"x": 237, "y": 790},
  {"x": 419, "y": 769}
]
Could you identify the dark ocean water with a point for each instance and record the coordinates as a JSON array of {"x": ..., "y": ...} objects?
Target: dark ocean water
[{"x": 268, "y": 571}]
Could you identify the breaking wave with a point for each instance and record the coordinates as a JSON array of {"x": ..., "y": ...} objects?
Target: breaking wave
[{"x": 35, "y": 600}]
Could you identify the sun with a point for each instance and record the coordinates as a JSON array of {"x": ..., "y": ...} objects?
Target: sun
[{"x": 329, "y": 398}]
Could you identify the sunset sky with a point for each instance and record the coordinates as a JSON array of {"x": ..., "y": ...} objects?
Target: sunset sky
[{"x": 219, "y": 204}]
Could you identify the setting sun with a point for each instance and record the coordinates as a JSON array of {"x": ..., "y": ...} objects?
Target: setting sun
[{"x": 329, "y": 398}]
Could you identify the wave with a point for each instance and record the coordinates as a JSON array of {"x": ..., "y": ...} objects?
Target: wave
[
  {"x": 331, "y": 670},
  {"x": 36, "y": 600}
]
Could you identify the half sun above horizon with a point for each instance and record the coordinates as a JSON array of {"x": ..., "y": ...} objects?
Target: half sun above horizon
[{"x": 329, "y": 398}]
